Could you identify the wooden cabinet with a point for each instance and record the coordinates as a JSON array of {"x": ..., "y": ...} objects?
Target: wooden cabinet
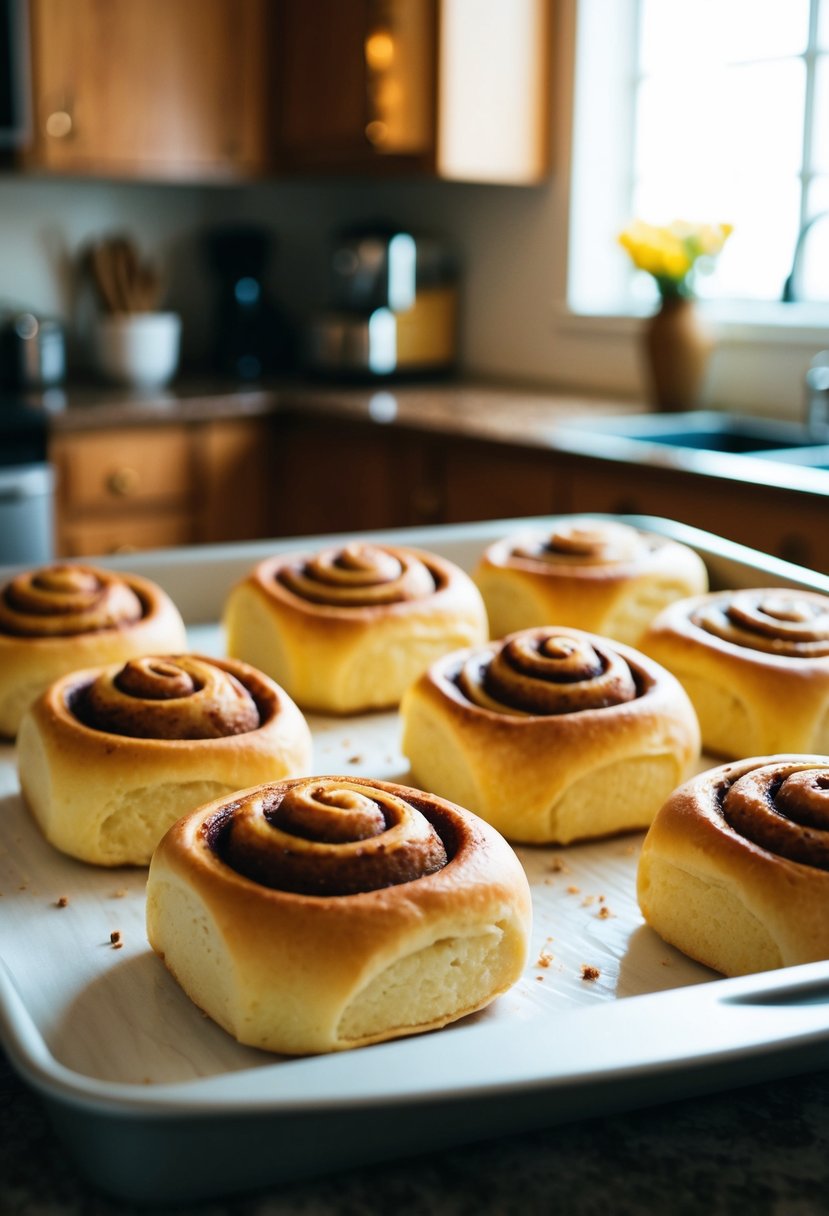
[
  {"x": 488, "y": 481},
  {"x": 459, "y": 88},
  {"x": 126, "y": 488},
  {"x": 339, "y": 477},
  {"x": 295, "y": 474},
  {"x": 166, "y": 88},
  {"x": 336, "y": 477},
  {"x": 200, "y": 89}
]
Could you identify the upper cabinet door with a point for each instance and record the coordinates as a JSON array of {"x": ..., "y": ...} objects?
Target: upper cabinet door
[
  {"x": 356, "y": 84},
  {"x": 456, "y": 88},
  {"x": 166, "y": 88}
]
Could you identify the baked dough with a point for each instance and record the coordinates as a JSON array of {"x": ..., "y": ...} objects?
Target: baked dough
[
  {"x": 551, "y": 734},
  {"x": 60, "y": 618},
  {"x": 331, "y": 912},
  {"x": 347, "y": 629},
  {"x": 734, "y": 870},
  {"x": 755, "y": 664},
  {"x": 602, "y": 576},
  {"x": 110, "y": 757}
]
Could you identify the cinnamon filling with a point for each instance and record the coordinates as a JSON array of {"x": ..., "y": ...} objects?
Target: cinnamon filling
[
  {"x": 172, "y": 697},
  {"x": 328, "y": 836},
  {"x": 783, "y": 809},
  {"x": 546, "y": 672},
  {"x": 63, "y": 600}
]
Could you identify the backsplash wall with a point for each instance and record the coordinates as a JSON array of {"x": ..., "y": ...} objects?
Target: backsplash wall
[
  {"x": 504, "y": 238},
  {"x": 511, "y": 242}
]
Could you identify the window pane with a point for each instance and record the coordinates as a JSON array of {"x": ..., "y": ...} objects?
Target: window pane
[
  {"x": 740, "y": 121},
  {"x": 820, "y": 131},
  {"x": 686, "y": 34}
]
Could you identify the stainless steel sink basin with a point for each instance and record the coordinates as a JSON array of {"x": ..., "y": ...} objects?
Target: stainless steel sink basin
[{"x": 707, "y": 430}]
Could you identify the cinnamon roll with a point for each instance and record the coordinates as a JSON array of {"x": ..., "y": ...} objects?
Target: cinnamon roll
[
  {"x": 110, "y": 757},
  {"x": 734, "y": 870},
  {"x": 551, "y": 734},
  {"x": 602, "y": 576},
  {"x": 755, "y": 664},
  {"x": 59, "y": 618},
  {"x": 347, "y": 629},
  {"x": 330, "y": 912}
]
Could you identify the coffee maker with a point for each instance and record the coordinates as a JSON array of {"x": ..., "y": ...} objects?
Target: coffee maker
[
  {"x": 394, "y": 305},
  {"x": 251, "y": 339}
]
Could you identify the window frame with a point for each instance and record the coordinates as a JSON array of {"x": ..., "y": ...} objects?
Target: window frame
[{"x": 763, "y": 348}]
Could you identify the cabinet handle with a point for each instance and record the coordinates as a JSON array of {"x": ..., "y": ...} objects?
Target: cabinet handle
[
  {"x": 123, "y": 482},
  {"x": 59, "y": 124}
]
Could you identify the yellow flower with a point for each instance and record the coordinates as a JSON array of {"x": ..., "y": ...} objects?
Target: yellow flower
[{"x": 670, "y": 252}]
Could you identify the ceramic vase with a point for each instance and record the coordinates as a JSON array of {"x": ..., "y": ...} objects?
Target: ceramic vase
[{"x": 677, "y": 348}]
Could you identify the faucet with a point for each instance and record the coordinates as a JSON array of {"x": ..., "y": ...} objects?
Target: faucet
[
  {"x": 817, "y": 396},
  {"x": 789, "y": 287}
]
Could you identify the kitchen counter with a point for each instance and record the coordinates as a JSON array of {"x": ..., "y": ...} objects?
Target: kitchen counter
[
  {"x": 761, "y": 1150},
  {"x": 533, "y": 419}
]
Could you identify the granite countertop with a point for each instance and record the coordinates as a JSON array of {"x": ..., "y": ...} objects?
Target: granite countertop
[
  {"x": 547, "y": 419},
  {"x": 759, "y": 1150}
]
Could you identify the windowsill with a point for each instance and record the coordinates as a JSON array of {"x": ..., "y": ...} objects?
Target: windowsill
[{"x": 796, "y": 325}]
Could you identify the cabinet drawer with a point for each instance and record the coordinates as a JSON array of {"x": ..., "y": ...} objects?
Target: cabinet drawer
[
  {"x": 124, "y": 468},
  {"x": 125, "y": 534}
]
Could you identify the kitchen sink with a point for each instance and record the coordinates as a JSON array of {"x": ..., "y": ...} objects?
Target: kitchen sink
[{"x": 710, "y": 431}]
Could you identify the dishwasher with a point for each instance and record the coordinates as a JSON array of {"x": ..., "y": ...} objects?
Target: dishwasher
[{"x": 26, "y": 484}]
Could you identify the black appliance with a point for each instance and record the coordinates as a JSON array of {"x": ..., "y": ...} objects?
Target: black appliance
[
  {"x": 251, "y": 339},
  {"x": 15, "y": 89}
]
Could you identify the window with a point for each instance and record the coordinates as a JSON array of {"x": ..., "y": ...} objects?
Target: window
[{"x": 706, "y": 110}]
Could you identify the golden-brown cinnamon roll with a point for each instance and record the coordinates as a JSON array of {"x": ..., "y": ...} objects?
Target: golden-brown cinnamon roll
[
  {"x": 734, "y": 870},
  {"x": 602, "y": 576},
  {"x": 347, "y": 629},
  {"x": 331, "y": 912},
  {"x": 60, "y": 618},
  {"x": 551, "y": 734},
  {"x": 755, "y": 663},
  {"x": 110, "y": 757}
]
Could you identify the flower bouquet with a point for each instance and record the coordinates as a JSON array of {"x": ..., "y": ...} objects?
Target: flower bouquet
[{"x": 674, "y": 254}]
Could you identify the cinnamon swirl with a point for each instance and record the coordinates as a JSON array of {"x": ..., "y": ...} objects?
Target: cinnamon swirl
[
  {"x": 325, "y": 913},
  {"x": 347, "y": 629},
  {"x": 734, "y": 870},
  {"x": 602, "y": 576},
  {"x": 60, "y": 618},
  {"x": 551, "y": 734},
  {"x": 110, "y": 757},
  {"x": 755, "y": 663}
]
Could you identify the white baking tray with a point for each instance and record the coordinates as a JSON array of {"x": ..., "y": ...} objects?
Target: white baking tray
[{"x": 158, "y": 1104}]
